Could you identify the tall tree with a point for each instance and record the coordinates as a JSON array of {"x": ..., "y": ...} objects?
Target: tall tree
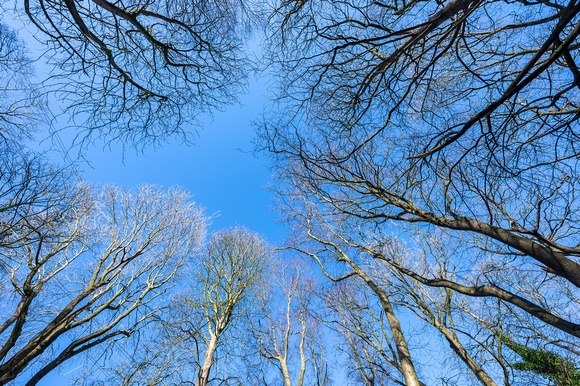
[
  {"x": 200, "y": 333},
  {"x": 284, "y": 328},
  {"x": 92, "y": 274},
  {"x": 355, "y": 313},
  {"x": 456, "y": 116},
  {"x": 322, "y": 243},
  {"x": 236, "y": 259}
]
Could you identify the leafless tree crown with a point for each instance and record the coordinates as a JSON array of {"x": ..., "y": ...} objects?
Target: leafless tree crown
[{"x": 139, "y": 72}]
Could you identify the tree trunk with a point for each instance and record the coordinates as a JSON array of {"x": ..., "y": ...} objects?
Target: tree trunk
[
  {"x": 408, "y": 370},
  {"x": 285, "y": 372},
  {"x": 208, "y": 362},
  {"x": 465, "y": 357}
]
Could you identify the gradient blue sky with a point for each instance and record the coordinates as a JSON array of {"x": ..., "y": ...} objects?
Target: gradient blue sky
[{"x": 220, "y": 170}]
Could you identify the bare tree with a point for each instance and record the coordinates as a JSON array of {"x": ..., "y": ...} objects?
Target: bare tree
[
  {"x": 437, "y": 307},
  {"x": 461, "y": 115},
  {"x": 21, "y": 106},
  {"x": 425, "y": 279},
  {"x": 138, "y": 72},
  {"x": 284, "y": 326},
  {"x": 354, "y": 312},
  {"x": 205, "y": 315},
  {"x": 93, "y": 275},
  {"x": 359, "y": 318},
  {"x": 235, "y": 260},
  {"x": 322, "y": 243},
  {"x": 456, "y": 117},
  {"x": 321, "y": 354}
]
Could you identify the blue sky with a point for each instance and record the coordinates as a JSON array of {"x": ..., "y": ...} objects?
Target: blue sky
[{"x": 220, "y": 170}]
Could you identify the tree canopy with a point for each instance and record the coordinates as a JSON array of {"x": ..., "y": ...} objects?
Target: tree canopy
[
  {"x": 425, "y": 156},
  {"x": 434, "y": 144},
  {"x": 140, "y": 72}
]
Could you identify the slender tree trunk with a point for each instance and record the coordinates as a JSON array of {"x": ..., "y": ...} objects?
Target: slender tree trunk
[
  {"x": 411, "y": 378},
  {"x": 302, "y": 356},
  {"x": 465, "y": 357},
  {"x": 208, "y": 362},
  {"x": 285, "y": 372},
  {"x": 408, "y": 370}
]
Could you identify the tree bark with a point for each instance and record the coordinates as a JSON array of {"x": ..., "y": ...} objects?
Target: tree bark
[
  {"x": 408, "y": 370},
  {"x": 202, "y": 379}
]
